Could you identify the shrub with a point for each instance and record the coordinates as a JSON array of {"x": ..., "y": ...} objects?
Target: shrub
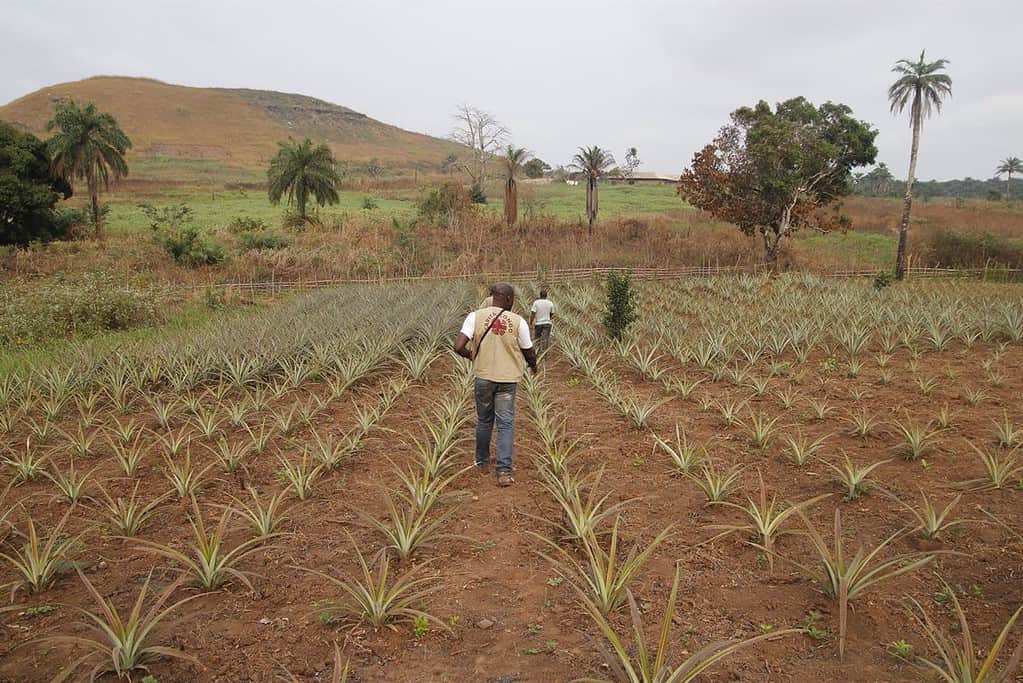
[
  {"x": 369, "y": 204},
  {"x": 68, "y": 222},
  {"x": 88, "y": 305},
  {"x": 883, "y": 279},
  {"x": 293, "y": 220},
  {"x": 969, "y": 249},
  {"x": 446, "y": 203},
  {"x": 620, "y": 307},
  {"x": 191, "y": 248},
  {"x": 264, "y": 239},
  {"x": 243, "y": 224},
  {"x": 166, "y": 217},
  {"x": 477, "y": 195}
]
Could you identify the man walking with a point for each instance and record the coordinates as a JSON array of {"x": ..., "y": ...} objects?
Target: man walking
[
  {"x": 541, "y": 315},
  {"x": 501, "y": 348}
]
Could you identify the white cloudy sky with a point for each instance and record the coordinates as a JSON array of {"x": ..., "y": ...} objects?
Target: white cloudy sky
[{"x": 655, "y": 74}]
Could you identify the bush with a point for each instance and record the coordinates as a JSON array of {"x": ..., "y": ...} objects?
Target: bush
[
  {"x": 883, "y": 279},
  {"x": 620, "y": 307},
  {"x": 477, "y": 195},
  {"x": 243, "y": 224},
  {"x": 191, "y": 248},
  {"x": 89, "y": 304},
  {"x": 369, "y": 204},
  {"x": 446, "y": 203},
  {"x": 293, "y": 220},
  {"x": 266, "y": 239},
  {"x": 215, "y": 299},
  {"x": 69, "y": 222},
  {"x": 166, "y": 217},
  {"x": 970, "y": 249}
]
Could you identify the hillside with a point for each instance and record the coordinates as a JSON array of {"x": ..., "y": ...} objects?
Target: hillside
[{"x": 236, "y": 128}]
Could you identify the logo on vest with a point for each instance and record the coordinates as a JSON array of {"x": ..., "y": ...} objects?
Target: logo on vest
[{"x": 500, "y": 326}]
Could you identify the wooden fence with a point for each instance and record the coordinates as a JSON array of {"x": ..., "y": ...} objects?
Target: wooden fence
[{"x": 555, "y": 276}]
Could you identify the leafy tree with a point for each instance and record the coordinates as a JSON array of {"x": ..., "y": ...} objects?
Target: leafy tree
[
  {"x": 536, "y": 168},
  {"x": 514, "y": 159},
  {"x": 773, "y": 172},
  {"x": 89, "y": 146},
  {"x": 878, "y": 182},
  {"x": 28, "y": 191},
  {"x": 922, "y": 87},
  {"x": 1009, "y": 166},
  {"x": 300, "y": 170},
  {"x": 593, "y": 163},
  {"x": 632, "y": 162}
]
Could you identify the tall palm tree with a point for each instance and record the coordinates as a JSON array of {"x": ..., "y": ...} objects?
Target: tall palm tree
[
  {"x": 89, "y": 146},
  {"x": 921, "y": 86},
  {"x": 594, "y": 163},
  {"x": 300, "y": 170},
  {"x": 1009, "y": 166},
  {"x": 514, "y": 159}
]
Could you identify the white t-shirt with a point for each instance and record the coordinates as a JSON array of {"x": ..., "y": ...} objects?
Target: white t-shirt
[
  {"x": 525, "y": 341},
  {"x": 542, "y": 311}
]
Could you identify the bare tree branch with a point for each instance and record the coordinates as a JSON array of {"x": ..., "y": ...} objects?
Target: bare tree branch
[{"x": 481, "y": 132}]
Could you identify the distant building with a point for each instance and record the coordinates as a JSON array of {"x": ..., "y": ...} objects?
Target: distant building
[{"x": 644, "y": 178}]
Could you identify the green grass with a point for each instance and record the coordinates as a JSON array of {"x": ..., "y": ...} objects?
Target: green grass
[
  {"x": 569, "y": 202},
  {"x": 216, "y": 208}
]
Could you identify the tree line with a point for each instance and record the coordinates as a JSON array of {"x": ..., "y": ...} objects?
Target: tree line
[{"x": 879, "y": 182}]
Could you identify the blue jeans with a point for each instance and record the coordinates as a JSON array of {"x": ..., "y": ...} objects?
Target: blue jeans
[
  {"x": 495, "y": 400},
  {"x": 542, "y": 335}
]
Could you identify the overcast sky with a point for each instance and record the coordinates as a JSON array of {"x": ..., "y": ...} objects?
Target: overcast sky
[{"x": 658, "y": 75}]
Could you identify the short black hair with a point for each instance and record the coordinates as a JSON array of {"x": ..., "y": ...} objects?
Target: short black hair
[
  {"x": 502, "y": 289},
  {"x": 543, "y": 293}
]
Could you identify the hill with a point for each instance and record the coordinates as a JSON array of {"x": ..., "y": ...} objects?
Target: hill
[{"x": 236, "y": 128}]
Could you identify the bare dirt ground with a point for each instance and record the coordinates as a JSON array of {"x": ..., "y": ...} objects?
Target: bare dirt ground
[{"x": 511, "y": 618}]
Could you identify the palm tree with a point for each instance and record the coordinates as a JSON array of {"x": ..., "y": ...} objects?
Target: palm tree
[
  {"x": 300, "y": 169},
  {"x": 594, "y": 163},
  {"x": 1008, "y": 167},
  {"x": 922, "y": 87},
  {"x": 514, "y": 159},
  {"x": 89, "y": 146}
]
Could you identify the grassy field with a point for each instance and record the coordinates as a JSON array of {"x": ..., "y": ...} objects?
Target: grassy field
[
  {"x": 569, "y": 202},
  {"x": 216, "y": 207}
]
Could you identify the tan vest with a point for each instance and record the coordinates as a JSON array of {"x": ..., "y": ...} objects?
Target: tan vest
[{"x": 498, "y": 358}]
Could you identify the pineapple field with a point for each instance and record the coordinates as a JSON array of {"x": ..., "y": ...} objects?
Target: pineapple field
[{"x": 786, "y": 478}]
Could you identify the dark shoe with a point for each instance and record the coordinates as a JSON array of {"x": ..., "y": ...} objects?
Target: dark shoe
[
  {"x": 505, "y": 479},
  {"x": 483, "y": 469}
]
